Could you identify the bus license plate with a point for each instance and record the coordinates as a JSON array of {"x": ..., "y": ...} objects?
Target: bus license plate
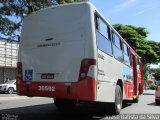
[{"x": 47, "y": 76}]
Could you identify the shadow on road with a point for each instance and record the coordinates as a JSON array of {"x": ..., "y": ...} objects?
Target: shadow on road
[
  {"x": 153, "y": 104},
  {"x": 127, "y": 104},
  {"x": 49, "y": 112}
]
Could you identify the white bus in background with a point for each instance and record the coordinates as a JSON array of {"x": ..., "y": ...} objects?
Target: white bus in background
[{"x": 71, "y": 53}]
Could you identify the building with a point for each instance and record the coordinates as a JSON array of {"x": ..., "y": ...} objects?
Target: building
[{"x": 8, "y": 59}]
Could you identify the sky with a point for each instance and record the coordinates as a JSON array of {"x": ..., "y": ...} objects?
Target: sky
[{"x": 140, "y": 13}]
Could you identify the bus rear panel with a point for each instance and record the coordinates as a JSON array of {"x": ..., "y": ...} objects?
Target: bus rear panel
[{"x": 52, "y": 60}]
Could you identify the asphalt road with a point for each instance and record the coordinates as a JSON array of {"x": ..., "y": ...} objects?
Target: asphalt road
[
  {"x": 37, "y": 108},
  {"x": 146, "y": 105}
]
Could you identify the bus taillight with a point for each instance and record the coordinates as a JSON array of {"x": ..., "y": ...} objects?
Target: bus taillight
[
  {"x": 85, "y": 64},
  {"x": 19, "y": 70}
]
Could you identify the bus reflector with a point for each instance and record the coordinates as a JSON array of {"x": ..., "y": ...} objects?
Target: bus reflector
[{"x": 85, "y": 64}]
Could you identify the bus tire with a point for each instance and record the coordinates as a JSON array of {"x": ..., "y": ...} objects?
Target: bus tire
[
  {"x": 64, "y": 103},
  {"x": 157, "y": 102},
  {"x": 136, "y": 98},
  {"x": 115, "y": 108}
]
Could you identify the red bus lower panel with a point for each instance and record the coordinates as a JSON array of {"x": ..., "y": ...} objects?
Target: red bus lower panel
[{"x": 82, "y": 90}]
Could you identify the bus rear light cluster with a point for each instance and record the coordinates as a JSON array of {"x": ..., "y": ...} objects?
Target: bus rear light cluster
[{"x": 85, "y": 64}]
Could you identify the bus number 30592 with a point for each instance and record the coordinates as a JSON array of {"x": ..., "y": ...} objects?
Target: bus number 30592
[{"x": 46, "y": 88}]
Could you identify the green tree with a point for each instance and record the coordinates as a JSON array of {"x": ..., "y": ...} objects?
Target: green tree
[
  {"x": 18, "y": 9},
  {"x": 156, "y": 47}
]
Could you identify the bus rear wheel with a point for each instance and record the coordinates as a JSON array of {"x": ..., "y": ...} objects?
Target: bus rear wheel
[
  {"x": 157, "y": 102},
  {"x": 115, "y": 108},
  {"x": 64, "y": 103},
  {"x": 136, "y": 97}
]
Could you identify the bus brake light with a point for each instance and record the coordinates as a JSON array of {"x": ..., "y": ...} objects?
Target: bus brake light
[{"x": 85, "y": 64}]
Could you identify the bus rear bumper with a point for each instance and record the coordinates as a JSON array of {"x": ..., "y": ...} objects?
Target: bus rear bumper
[{"x": 81, "y": 90}]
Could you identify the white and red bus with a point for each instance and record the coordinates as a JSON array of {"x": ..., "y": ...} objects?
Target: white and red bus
[{"x": 71, "y": 53}]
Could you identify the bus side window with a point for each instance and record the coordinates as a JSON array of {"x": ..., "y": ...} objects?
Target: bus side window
[
  {"x": 103, "y": 29},
  {"x": 126, "y": 54},
  {"x": 117, "y": 47},
  {"x": 117, "y": 41},
  {"x": 137, "y": 63},
  {"x": 103, "y": 41},
  {"x": 131, "y": 60}
]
